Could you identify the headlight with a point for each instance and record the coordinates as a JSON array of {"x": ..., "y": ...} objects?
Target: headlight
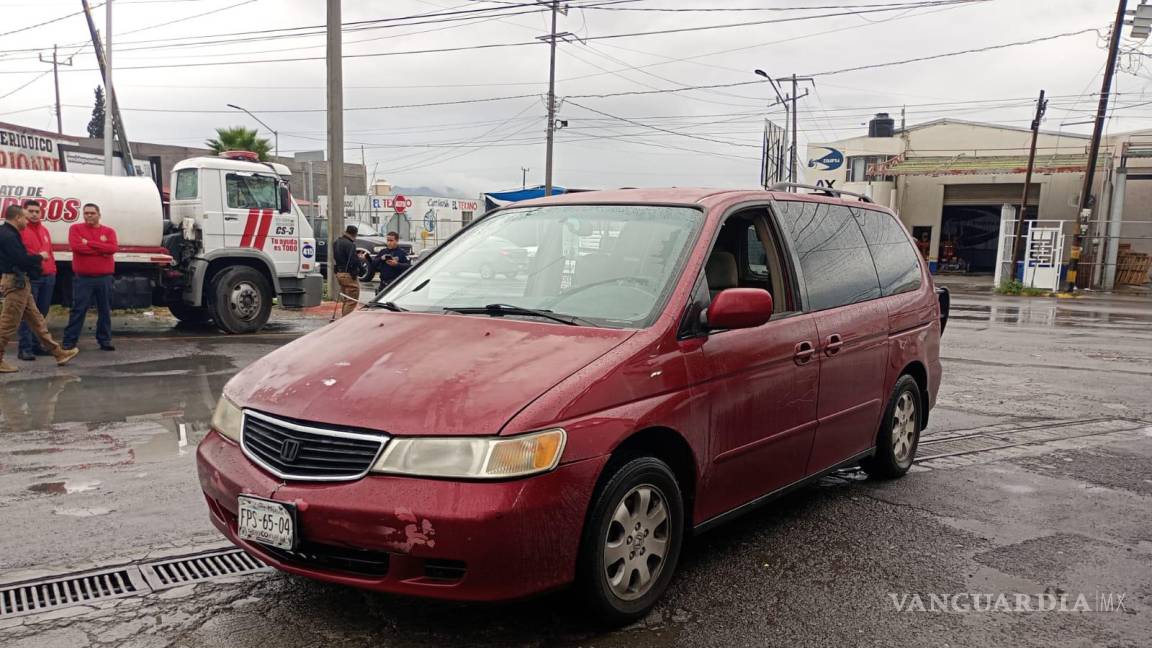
[
  {"x": 228, "y": 419},
  {"x": 473, "y": 458}
]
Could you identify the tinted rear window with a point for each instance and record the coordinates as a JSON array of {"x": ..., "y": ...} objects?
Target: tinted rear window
[
  {"x": 897, "y": 262},
  {"x": 834, "y": 258}
]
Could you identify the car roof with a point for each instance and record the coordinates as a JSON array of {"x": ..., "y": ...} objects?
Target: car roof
[{"x": 704, "y": 196}]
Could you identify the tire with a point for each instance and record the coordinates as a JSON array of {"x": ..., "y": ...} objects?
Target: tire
[
  {"x": 241, "y": 300},
  {"x": 195, "y": 315},
  {"x": 605, "y": 537},
  {"x": 486, "y": 271},
  {"x": 368, "y": 268},
  {"x": 899, "y": 433}
]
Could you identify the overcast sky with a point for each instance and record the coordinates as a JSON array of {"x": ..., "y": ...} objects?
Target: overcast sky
[{"x": 478, "y": 147}]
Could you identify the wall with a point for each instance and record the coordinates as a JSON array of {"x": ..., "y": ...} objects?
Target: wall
[
  {"x": 827, "y": 165},
  {"x": 427, "y": 221}
]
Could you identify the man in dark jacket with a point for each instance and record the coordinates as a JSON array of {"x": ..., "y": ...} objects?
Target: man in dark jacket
[
  {"x": 392, "y": 260},
  {"x": 346, "y": 262},
  {"x": 16, "y": 264}
]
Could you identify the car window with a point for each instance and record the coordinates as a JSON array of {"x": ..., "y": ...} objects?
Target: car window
[
  {"x": 835, "y": 264},
  {"x": 252, "y": 192},
  {"x": 540, "y": 258},
  {"x": 896, "y": 259},
  {"x": 186, "y": 184}
]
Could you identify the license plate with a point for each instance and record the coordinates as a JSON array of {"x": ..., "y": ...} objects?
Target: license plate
[{"x": 267, "y": 522}]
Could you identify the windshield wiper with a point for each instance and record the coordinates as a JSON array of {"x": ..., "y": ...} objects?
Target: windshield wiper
[
  {"x": 387, "y": 306},
  {"x": 498, "y": 310}
]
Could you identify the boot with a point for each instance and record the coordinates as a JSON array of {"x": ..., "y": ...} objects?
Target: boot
[
  {"x": 64, "y": 357},
  {"x": 7, "y": 368}
]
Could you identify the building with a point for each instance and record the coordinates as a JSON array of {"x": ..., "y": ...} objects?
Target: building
[
  {"x": 950, "y": 180},
  {"x": 426, "y": 220}
]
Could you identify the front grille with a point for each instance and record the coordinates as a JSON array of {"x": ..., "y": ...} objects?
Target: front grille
[
  {"x": 293, "y": 450},
  {"x": 320, "y": 556}
]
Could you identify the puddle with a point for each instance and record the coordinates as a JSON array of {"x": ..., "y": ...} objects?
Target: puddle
[
  {"x": 66, "y": 487},
  {"x": 1051, "y": 315}
]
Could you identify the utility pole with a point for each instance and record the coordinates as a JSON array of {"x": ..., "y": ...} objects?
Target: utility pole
[
  {"x": 113, "y": 123},
  {"x": 792, "y": 170},
  {"x": 1017, "y": 247},
  {"x": 551, "y": 101},
  {"x": 1086, "y": 201},
  {"x": 109, "y": 131},
  {"x": 56, "y": 63},
  {"x": 524, "y": 177},
  {"x": 335, "y": 142}
]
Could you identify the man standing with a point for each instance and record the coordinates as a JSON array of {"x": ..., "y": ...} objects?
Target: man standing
[
  {"x": 346, "y": 263},
  {"x": 393, "y": 260},
  {"x": 15, "y": 266},
  {"x": 93, "y": 249},
  {"x": 38, "y": 241}
]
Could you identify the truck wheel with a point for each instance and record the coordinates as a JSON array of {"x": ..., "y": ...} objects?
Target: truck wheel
[
  {"x": 899, "y": 433},
  {"x": 242, "y": 300},
  {"x": 189, "y": 314},
  {"x": 631, "y": 541}
]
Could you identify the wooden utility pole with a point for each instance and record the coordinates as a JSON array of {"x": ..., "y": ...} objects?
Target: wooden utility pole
[
  {"x": 56, "y": 63},
  {"x": 335, "y": 142},
  {"x": 792, "y": 165},
  {"x": 1086, "y": 201},
  {"x": 1017, "y": 244}
]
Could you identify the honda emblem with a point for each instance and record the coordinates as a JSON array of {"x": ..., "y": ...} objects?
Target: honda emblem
[{"x": 290, "y": 450}]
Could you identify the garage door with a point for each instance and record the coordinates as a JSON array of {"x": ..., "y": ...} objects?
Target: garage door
[{"x": 989, "y": 194}]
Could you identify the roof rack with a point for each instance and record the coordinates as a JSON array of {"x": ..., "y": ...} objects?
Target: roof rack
[{"x": 827, "y": 191}]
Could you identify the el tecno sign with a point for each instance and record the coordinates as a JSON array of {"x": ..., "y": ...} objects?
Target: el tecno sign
[{"x": 24, "y": 150}]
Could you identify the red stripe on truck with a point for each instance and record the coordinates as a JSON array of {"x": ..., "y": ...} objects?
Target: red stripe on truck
[
  {"x": 265, "y": 225},
  {"x": 249, "y": 228}
]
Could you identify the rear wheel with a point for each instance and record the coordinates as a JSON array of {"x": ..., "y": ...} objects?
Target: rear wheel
[
  {"x": 899, "y": 434},
  {"x": 632, "y": 541},
  {"x": 190, "y": 314},
  {"x": 242, "y": 300}
]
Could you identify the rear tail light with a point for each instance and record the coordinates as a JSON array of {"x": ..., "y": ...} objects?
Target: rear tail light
[{"x": 505, "y": 252}]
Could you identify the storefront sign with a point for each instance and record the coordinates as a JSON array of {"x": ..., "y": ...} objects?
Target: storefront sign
[{"x": 28, "y": 149}]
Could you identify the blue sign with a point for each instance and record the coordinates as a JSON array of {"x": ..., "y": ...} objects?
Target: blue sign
[
  {"x": 831, "y": 160},
  {"x": 308, "y": 251}
]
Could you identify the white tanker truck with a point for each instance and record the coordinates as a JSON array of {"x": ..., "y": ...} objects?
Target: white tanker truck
[{"x": 234, "y": 242}]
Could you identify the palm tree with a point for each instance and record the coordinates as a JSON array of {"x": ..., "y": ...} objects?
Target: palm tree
[{"x": 238, "y": 138}]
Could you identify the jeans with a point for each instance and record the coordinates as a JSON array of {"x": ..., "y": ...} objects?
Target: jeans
[
  {"x": 86, "y": 292},
  {"x": 41, "y": 294}
]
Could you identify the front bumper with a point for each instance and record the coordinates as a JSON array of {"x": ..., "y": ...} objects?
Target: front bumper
[{"x": 474, "y": 541}]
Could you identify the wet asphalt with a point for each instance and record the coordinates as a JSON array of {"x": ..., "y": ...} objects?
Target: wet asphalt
[{"x": 97, "y": 468}]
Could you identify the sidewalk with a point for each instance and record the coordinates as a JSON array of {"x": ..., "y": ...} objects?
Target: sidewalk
[{"x": 961, "y": 284}]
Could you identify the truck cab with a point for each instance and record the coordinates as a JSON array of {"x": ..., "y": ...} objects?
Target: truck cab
[{"x": 239, "y": 241}]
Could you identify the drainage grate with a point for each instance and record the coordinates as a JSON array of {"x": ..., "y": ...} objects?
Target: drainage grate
[
  {"x": 174, "y": 572},
  {"x": 980, "y": 442},
  {"x": 34, "y": 597}
]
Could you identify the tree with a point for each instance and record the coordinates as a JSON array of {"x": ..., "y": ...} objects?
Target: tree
[
  {"x": 238, "y": 138},
  {"x": 96, "y": 124}
]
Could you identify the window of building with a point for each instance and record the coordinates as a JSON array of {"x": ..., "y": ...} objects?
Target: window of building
[
  {"x": 858, "y": 168},
  {"x": 465, "y": 217},
  {"x": 187, "y": 184},
  {"x": 251, "y": 192},
  {"x": 836, "y": 266},
  {"x": 895, "y": 256}
]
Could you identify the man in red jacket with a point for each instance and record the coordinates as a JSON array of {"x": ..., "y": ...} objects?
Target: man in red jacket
[
  {"x": 93, "y": 247},
  {"x": 38, "y": 241}
]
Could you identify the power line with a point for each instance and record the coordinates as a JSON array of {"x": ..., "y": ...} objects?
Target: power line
[
  {"x": 48, "y": 22},
  {"x": 657, "y": 128}
]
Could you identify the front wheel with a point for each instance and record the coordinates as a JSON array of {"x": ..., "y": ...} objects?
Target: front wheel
[
  {"x": 242, "y": 300},
  {"x": 899, "y": 433},
  {"x": 631, "y": 542}
]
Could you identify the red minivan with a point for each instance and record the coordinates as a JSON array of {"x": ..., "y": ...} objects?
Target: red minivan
[{"x": 666, "y": 360}]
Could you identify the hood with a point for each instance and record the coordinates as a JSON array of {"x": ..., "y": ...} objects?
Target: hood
[{"x": 419, "y": 374}]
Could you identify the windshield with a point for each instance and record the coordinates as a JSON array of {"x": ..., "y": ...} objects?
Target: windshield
[{"x": 607, "y": 265}]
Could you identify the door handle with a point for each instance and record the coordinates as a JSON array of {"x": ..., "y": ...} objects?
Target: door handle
[
  {"x": 231, "y": 218},
  {"x": 804, "y": 352},
  {"x": 832, "y": 346}
]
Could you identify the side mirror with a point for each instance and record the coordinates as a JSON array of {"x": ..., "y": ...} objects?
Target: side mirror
[
  {"x": 739, "y": 308},
  {"x": 285, "y": 199}
]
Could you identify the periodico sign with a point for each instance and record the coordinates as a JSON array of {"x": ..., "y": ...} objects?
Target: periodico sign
[{"x": 400, "y": 203}]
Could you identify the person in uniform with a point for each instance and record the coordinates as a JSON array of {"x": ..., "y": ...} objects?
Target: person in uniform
[
  {"x": 16, "y": 268},
  {"x": 346, "y": 262}
]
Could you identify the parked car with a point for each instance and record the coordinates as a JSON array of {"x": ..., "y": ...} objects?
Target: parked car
[
  {"x": 369, "y": 241},
  {"x": 729, "y": 347},
  {"x": 492, "y": 256}
]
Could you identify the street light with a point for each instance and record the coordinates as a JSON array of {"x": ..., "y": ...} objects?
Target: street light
[
  {"x": 783, "y": 102},
  {"x": 275, "y": 135}
]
